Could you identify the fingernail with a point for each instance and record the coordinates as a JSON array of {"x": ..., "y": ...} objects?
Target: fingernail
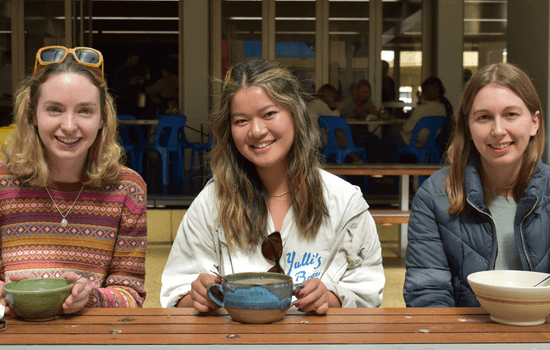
[
  {"x": 301, "y": 295},
  {"x": 297, "y": 304}
]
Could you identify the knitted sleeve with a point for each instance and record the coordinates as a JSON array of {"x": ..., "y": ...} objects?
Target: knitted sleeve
[{"x": 124, "y": 284}]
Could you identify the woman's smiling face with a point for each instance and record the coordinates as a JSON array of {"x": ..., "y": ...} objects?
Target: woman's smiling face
[
  {"x": 501, "y": 126},
  {"x": 68, "y": 117},
  {"x": 262, "y": 129}
]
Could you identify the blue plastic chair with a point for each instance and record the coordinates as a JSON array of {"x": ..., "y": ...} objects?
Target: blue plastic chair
[
  {"x": 199, "y": 148},
  {"x": 135, "y": 148},
  {"x": 431, "y": 148},
  {"x": 169, "y": 141},
  {"x": 331, "y": 150}
]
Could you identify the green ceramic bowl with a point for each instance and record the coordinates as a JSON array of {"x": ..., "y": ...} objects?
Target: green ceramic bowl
[{"x": 37, "y": 299}]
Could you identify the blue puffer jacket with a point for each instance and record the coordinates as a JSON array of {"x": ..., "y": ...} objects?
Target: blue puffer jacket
[{"x": 444, "y": 249}]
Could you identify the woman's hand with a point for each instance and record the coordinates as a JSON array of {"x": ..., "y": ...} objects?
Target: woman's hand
[
  {"x": 198, "y": 297},
  {"x": 79, "y": 294},
  {"x": 25, "y": 276},
  {"x": 315, "y": 297}
]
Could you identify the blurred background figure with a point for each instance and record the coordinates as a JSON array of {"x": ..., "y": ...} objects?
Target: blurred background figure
[
  {"x": 164, "y": 90},
  {"x": 359, "y": 104},
  {"x": 324, "y": 102},
  {"x": 388, "y": 85},
  {"x": 428, "y": 105},
  {"x": 126, "y": 86}
]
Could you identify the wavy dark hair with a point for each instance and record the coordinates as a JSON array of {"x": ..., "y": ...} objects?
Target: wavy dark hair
[{"x": 243, "y": 211}]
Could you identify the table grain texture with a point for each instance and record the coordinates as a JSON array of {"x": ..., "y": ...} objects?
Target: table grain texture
[{"x": 355, "y": 328}]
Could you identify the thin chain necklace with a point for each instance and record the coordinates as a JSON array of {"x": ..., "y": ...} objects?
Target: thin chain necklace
[
  {"x": 64, "y": 222},
  {"x": 279, "y": 195}
]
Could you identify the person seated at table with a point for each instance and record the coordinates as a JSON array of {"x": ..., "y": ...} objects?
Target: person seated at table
[
  {"x": 427, "y": 106},
  {"x": 268, "y": 190},
  {"x": 488, "y": 209},
  {"x": 322, "y": 102},
  {"x": 67, "y": 205},
  {"x": 358, "y": 105},
  {"x": 444, "y": 136}
]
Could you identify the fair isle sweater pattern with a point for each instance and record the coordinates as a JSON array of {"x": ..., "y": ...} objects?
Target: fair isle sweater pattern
[{"x": 106, "y": 225}]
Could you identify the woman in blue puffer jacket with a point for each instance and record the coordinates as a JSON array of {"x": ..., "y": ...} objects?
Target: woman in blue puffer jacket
[{"x": 489, "y": 208}]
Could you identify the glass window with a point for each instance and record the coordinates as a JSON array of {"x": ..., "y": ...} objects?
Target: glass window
[
  {"x": 485, "y": 25},
  {"x": 295, "y": 38},
  {"x": 348, "y": 44},
  {"x": 402, "y": 48}
]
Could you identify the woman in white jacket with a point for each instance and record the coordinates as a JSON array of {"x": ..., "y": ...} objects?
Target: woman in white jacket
[{"x": 268, "y": 191}]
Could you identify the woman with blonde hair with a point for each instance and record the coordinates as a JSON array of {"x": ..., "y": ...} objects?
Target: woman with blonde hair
[
  {"x": 487, "y": 209},
  {"x": 270, "y": 207},
  {"x": 68, "y": 207}
]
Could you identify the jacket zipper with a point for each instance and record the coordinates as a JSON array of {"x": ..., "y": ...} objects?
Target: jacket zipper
[
  {"x": 494, "y": 228},
  {"x": 521, "y": 234}
]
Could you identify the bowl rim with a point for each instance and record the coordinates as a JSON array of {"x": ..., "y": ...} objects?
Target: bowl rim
[
  {"x": 27, "y": 292},
  {"x": 481, "y": 283}
]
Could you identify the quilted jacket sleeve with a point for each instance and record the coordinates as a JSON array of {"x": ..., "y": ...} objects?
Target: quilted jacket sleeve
[{"x": 428, "y": 277}]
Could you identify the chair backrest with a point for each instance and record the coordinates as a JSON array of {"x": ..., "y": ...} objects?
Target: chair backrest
[
  {"x": 433, "y": 124},
  {"x": 331, "y": 125},
  {"x": 170, "y": 131},
  {"x": 130, "y": 134}
]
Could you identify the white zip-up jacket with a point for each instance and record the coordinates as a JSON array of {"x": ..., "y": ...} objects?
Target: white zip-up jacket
[{"x": 345, "y": 254}]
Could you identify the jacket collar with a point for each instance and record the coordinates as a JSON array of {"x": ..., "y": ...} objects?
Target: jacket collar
[{"x": 474, "y": 188}]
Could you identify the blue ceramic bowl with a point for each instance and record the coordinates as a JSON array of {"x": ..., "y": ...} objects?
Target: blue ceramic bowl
[{"x": 255, "y": 297}]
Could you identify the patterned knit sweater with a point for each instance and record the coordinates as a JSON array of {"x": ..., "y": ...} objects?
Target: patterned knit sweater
[{"x": 107, "y": 225}]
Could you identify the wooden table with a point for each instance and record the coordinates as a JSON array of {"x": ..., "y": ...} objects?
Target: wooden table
[
  {"x": 400, "y": 216},
  {"x": 390, "y": 328}
]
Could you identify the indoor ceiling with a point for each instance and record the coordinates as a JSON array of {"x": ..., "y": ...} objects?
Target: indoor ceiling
[{"x": 154, "y": 21}]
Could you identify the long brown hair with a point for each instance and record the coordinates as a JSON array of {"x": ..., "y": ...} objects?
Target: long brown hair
[
  {"x": 462, "y": 148},
  {"x": 243, "y": 211}
]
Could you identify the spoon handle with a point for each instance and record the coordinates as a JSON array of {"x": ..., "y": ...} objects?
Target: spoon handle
[
  {"x": 88, "y": 273},
  {"x": 217, "y": 274},
  {"x": 541, "y": 282}
]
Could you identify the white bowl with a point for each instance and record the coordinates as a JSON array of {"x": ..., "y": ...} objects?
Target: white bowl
[{"x": 510, "y": 296}]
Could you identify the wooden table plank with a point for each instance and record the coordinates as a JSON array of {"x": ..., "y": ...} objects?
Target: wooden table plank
[
  {"x": 382, "y": 169},
  {"x": 306, "y": 338},
  {"x": 338, "y": 326}
]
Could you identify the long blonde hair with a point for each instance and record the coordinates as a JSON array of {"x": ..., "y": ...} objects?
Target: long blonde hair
[
  {"x": 243, "y": 212},
  {"x": 462, "y": 148},
  {"x": 24, "y": 150}
]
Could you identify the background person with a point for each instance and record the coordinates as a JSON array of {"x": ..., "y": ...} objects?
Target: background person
[
  {"x": 427, "y": 106},
  {"x": 488, "y": 209},
  {"x": 359, "y": 104},
  {"x": 388, "y": 84},
  {"x": 67, "y": 205},
  {"x": 126, "y": 85},
  {"x": 267, "y": 179},
  {"x": 321, "y": 103},
  {"x": 166, "y": 88}
]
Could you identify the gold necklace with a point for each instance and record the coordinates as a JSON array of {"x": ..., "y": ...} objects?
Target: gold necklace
[
  {"x": 64, "y": 222},
  {"x": 279, "y": 195}
]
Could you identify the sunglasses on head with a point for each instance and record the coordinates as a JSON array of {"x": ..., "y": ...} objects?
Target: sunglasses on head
[
  {"x": 272, "y": 250},
  {"x": 86, "y": 56}
]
